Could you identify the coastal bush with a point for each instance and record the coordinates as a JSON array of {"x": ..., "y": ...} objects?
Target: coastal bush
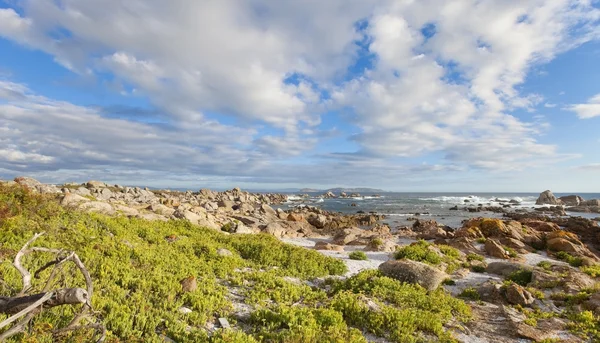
[
  {"x": 585, "y": 324},
  {"x": 521, "y": 277},
  {"x": 470, "y": 293},
  {"x": 570, "y": 259},
  {"x": 403, "y": 311},
  {"x": 358, "y": 255},
  {"x": 546, "y": 265},
  {"x": 478, "y": 269},
  {"x": 475, "y": 257},
  {"x": 418, "y": 251},
  {"x": 593, "y": 271}
]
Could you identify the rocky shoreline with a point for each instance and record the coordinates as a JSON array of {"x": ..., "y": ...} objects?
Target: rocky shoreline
[{"x": 529, "y": 267}]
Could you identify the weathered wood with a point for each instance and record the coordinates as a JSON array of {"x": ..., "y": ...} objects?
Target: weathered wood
[
  {"x": 27, "y": 306},
  {"x": 65, "y": 296}
]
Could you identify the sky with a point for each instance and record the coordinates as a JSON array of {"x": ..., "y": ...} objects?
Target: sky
[{"x": 403, "y": 95}]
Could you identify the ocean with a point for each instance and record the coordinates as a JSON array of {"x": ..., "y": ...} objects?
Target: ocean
[{"x": 399, "y": 207}]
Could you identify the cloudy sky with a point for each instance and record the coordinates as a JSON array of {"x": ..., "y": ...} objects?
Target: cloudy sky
[{"x": 428, "y": 95}]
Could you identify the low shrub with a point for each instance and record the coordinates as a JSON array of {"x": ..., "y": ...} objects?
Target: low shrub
[
  {"x": 570, "y": 259},
  {"x": 546, "y": 265},
  {"x": 358, "y": 255},
  {"x": 478, "y": 269},
  {"x": 593, "y": 271},
  {"x": 419, "y": 251},
  {"x": 520, "y": 277},
  {"x": 475, "y": 257},
  {"x": 470, "y": 293}
]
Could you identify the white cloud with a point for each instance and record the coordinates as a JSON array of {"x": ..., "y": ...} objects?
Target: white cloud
[
  {"x": 205, "y": 63},
  {"x": 588, "y": 110}
]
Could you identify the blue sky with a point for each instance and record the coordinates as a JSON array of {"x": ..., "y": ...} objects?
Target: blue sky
[{"x": 472, "y": 96}]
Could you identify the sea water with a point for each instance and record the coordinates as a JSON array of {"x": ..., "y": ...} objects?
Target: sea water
[{"x": 401, "y": 208}]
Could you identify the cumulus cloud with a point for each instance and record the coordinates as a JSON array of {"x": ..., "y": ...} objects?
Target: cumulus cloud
[
  {"x": 241, "y": 86},
  {"x": 587, "y": 110}
]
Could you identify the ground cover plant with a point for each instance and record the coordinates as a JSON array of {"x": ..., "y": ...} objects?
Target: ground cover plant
[{"x": 137, "y": 265}]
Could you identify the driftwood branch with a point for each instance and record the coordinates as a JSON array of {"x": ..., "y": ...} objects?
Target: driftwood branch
[{"x": 27, "y": 306}]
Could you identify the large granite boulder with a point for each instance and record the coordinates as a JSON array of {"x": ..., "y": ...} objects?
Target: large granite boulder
[
  {"x": 571, "y": 200},
  {"x": 413, "y": 272},
  {"x": 518, "y": 295},
  {"x": 547, "y": 198}
]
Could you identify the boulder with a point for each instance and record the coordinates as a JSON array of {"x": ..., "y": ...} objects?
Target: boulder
[
  {"x": 547, "y": 198},
  {"x": 28, "y": 182},
  {"x": 317, "y": 220},
  {"x": 590, "y": 203},
  {"x": 413, "y": 272},
  {"x": 97, "y": 206},
  {"x": 224, "y": 252},
  {"x": 518, "y": 295},
  {"x": 494, "y": 249},
  {"x": 226, "y": 204},
  {"x": 189, "y": 284},
  {"x": 275, "y": 229},
  {"x": 71, "y": 199},
  {"x": 211, "y": 206},
  {"x": 571, "y": 200},
  {"x": 295, "y": 217},
  {"x": 542, "y": 226},
  {"x": 161, "y": 209},
  {"x": 347, "y": 236},
  {"x": 268, "y": 210},
  {"x": 95, "y": 184},
  {"x": 327, "y": 246},
  {"x": 384, "y": 245},
  {"x": 82, "y": 191},
  {"x": 329, "y": 195}
]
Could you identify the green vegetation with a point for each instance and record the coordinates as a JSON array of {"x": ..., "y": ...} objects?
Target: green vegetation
[
  {"x": 570, "y": 259},
  {"x": 137, "y": 265},
  {"x": 534, "y": 315},
  {"x": 481, "y": 240},
  {"x": 593, "y": 271},
  {"x": 377, "y": 242},
  {"x": 419, "y": 251},
  {"x": 585, "y": 324},
  {"x": 546, "y": 265},
  {"x": 520, "y": 277},
  {"x": 511, "y": 252},
  {"x": 470, "y": 293},
  {"x": 478, "y": 269},
  {"x": 423, "y": 251},
  {"x": 358, "y": 255},
  {"x": 475, "y": 257},
  {"x": 449, "y": 282}
]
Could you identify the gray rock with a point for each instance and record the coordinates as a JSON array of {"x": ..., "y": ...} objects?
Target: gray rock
[
  {"x": 71, "y": 199},
  {"x": 95, "y": 184},
  {"x": 317, "y": 220},
  {"x": 547, "y": 198},
  {"x": 224, "y": 252},
  {"x": 413, "y": 272},
  {"x": 161, "y": 209},
  {"x": 97, "y": 206},
  {"x": 82, "y": 191},
  {"x": 571, "y": 200},
  {"x": 518, "y": 295}
]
